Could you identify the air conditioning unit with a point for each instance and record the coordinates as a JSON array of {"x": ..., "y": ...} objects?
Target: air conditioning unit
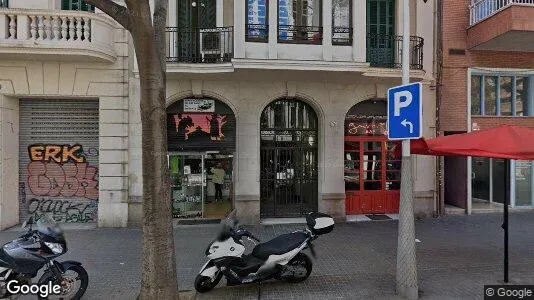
[{"x": 215, "y": 42}]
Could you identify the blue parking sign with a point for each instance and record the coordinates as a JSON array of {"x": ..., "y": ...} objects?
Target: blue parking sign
[{"x": 405, "y": 112}]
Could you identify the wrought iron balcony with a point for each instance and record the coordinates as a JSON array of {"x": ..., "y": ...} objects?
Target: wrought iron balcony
[
  {"x": 199, "y": 45},
  {"x": 300, "y": 34},
  {"x": 385, "y": 51}
]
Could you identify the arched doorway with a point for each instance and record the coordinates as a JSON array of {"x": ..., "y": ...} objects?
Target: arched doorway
[
  {"x": 288, "y": 159},
  {"x": 372, "y": 171},
  {"x": 201, "y": 137}
]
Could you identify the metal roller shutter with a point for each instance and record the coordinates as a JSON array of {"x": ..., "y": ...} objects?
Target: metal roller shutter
[{"x": 58, "y": 159}]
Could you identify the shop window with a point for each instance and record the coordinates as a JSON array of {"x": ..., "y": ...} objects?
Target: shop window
[
  {"x": 475, "y": 94},
  {"x": 4, "y": 3},
  {"x": 341, "y": 22},
  {"x": 523, "y": 193},
  {"x": 257, "y": 21},
  {"x": 490, "y": 95},
  {"x": 505, "y": 92},
  {"x": 76, "y": 5},
  {"x": 299, "y": 21},
  {"x": 505, "y": 95},
  {"x": 521, "y": 96}
]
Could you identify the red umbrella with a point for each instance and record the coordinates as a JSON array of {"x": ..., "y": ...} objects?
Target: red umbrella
[
  {"x": 508, "y": 142},
  {"x": 511, "y": 142}
]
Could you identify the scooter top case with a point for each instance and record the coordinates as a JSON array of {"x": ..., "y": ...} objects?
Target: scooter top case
[{"x": 319, "y": 223}]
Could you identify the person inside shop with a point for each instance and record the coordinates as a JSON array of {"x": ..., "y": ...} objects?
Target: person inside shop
[{"x": 218, "y": 180}]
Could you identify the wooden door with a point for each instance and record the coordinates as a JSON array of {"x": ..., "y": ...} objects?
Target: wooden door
[{"x": 372, "y": 175}]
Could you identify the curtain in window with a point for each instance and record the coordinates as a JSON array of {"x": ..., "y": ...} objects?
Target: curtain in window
[{"x": 76, "y": 5}]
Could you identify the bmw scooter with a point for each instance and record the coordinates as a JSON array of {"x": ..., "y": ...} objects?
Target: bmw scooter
[
  {"x": 21, "y": 260},
  {"x": 280, "y": 258}
]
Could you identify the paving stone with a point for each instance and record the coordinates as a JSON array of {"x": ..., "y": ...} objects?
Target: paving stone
[{"x": 456, "y": 257}]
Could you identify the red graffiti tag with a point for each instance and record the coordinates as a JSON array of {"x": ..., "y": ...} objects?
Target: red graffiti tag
[{"x": 68, "y": 180}]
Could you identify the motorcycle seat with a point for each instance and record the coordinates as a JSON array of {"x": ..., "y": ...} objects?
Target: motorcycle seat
[{"x": 279, "y": 245}]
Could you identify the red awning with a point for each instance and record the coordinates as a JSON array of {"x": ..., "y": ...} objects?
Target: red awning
[{"x": 511, "y": 142}]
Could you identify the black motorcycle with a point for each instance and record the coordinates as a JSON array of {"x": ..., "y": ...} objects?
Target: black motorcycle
[{"x": 23, "y": 258}]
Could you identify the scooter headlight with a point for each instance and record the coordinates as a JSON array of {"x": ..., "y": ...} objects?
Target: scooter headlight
[{"x": 55, "y": 247}]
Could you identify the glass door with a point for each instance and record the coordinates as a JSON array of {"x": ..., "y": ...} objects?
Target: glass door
[
  {"x": 193, "y": 15},
  {"x": 480, "y": 179},
  {"x": 500, "y": 180},
  {"x": 219, "y": 189},
  {"x": 188, "y": 184},
  {"x": 380, "y": 33}
]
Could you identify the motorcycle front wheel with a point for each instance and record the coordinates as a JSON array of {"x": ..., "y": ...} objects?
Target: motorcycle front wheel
[{"x": 73, "y": 283}]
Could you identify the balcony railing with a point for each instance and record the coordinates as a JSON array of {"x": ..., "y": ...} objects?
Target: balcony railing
[
  {"x": 46, "y": 31},
  {"x": 483, "y": 9},
  {"x": 199, "y": 45},
  {"x": 385, "y": 51},
  {"x": 300, "y": 34},
  {"x": 341, "y": 36},
  {"x": 257, "y": 33}
]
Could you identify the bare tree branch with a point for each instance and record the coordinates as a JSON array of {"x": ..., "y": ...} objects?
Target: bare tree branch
[{"x": 118, "y": 12}]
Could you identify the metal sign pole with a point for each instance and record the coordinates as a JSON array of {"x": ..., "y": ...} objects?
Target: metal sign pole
[{"x": 407, "y": 286}]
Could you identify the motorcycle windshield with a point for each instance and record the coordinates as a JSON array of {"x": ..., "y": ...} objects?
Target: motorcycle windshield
[{"x": 48, "y": 226}]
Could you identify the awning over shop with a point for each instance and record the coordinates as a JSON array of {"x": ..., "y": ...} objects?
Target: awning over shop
[
  {"x": 509, "y": 142},
  {"x": 505, "y": 142}
]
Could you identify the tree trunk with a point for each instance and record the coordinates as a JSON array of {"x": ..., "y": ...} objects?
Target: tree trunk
[{"x": 159, "y": 262}]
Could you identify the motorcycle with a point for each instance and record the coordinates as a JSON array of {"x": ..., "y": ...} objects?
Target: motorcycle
[
  {"x": 24, "y": 257},
  {"x": 281, "y": 258}
]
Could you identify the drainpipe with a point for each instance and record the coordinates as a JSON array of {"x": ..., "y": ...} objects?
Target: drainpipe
[{"x": 438, "y": 34}]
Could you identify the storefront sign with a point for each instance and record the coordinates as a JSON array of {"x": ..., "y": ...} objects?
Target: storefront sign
[{"x": 199, "y": 105}]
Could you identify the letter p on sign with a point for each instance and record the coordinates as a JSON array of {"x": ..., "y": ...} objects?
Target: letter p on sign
[{"x": 402, "y": 104}]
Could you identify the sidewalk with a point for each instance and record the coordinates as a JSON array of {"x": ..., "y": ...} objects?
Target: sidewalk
[{"x": 457, "y": 255}]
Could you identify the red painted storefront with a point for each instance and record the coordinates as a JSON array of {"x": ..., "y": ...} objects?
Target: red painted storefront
[{"x": 372, "y": 171}]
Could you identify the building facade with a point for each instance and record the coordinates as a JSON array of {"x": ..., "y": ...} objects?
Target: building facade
[
  {"x": 275, "y": 108},
  {"x": 487, "y": 81}
]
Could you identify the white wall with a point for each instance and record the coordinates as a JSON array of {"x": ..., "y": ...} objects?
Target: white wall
[
  {"x": 32, "y": 4},
  {"x": 331, "y": 95},
  {"x": 9, "y": 161},
  {"x": 58, "y": 79}
]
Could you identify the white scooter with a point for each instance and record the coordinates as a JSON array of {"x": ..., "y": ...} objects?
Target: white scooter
[{"x": 280, "y": 258}]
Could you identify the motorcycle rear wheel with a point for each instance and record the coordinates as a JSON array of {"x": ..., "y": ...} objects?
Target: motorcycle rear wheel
[
  {"x": 302, "y": 261},
  {"x": 82, "y": 275},
  {"x": 205, "y": 284}
]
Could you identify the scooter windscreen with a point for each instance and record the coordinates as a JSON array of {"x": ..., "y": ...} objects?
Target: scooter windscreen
[{"x": 48, "y": 226}]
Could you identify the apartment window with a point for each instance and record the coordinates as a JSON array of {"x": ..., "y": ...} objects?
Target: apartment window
[
  {"x": 4, "y": 3},
  {"x": 502, "y": 95},
  {"x": 299, "y": 21},
  {"x": 341, "y": 22},
  {"x": 76, "y": 5},
  {"x": 257, "y": 21}
]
